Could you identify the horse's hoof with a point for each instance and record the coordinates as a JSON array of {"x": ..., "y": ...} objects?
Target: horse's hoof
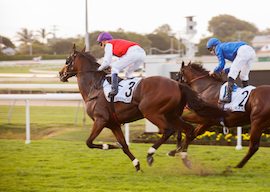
[
  {"x": 150, "y": 160},
  {"x": 187, "y": 163},
  {"x": 140, "y": 171},
  {"x": 171, "y": 153}
]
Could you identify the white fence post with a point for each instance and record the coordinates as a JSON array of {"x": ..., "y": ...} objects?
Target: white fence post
[
  {"x": 127, "y": 133},
  {"x": 27, "y": 111},
  {"x": 239, "y": 138}
]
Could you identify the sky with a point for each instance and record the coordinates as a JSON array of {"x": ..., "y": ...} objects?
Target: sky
[{"x": 140, "y": 16}]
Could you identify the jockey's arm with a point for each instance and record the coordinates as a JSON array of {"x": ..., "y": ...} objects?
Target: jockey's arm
[
  {"x": 221, "y": 63},
  {"x": 107, "y": 57}
]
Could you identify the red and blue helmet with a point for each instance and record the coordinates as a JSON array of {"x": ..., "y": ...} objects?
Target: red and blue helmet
[
  {"x": 104, "y": 37},
  {"x": 212, "y": 43}
]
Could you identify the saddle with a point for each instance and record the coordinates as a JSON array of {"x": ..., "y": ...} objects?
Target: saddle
[
  {"x": 125, "y": 89},
  {"x": 109, "y": 79},
  {"x": 239, "y": 97}
]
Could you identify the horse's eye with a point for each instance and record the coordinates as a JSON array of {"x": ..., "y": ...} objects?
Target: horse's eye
[{"x": 67, "y": 60}]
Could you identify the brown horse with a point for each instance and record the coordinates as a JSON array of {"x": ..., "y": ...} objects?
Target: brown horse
[
  {"x": 159, "y": 99},
  {"x": 257, "y": 109}
]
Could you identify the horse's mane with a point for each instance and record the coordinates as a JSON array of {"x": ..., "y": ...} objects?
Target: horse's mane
[
  {"x": 90, "y": 56},
  {"x": 199, "y": 67}
]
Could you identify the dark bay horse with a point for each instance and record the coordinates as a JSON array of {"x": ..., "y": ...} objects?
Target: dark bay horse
[
  {"x": 159, "y": 99},
  {"x": 257, "y": 109}
]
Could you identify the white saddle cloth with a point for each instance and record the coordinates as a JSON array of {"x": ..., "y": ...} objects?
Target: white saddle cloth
[
  {"x": 125, "y": 90},
  {"x": 239, "y": 97}
]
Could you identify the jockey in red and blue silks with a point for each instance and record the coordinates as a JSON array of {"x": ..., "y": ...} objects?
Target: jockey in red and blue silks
[
  {"x": 240, "y": 54},
  {"x": 130, "y": 54}
]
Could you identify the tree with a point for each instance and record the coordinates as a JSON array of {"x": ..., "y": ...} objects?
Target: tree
[
  {"x": 43, "y": 34},
  {"x": 165, "y": 28},
  {"x": 62, "y": 47},
  {"x": 227, "y": 26},
  {"x": 25, "y": 36},
  {"x": 6, "y": 41},
  {"x": 265, "y": 32}
]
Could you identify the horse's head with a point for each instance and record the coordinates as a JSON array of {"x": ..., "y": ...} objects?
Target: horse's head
[
  {"x": 180, "y": 76},
  {"x": 74, "y": 64},
  {"x": 192, "y": 72}
]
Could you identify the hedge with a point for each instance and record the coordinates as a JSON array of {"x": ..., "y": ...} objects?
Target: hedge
[{"x": 30, "y": 57}]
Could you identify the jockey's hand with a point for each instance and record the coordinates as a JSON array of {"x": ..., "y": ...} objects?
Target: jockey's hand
[
  {"x": 212, "y": 73},
  {"x": 222, "y": 72},
  {"x": 107, "y": 70}
]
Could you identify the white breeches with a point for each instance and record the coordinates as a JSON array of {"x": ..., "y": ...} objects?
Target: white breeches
[
  {"x": 242, "y": 62},
  {"x": 131, "y": 61}
]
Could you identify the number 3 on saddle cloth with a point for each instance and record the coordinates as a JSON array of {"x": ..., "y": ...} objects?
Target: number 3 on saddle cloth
[
  {"x": 239, "y": 97},
  {"x": 125, "y": 90}
]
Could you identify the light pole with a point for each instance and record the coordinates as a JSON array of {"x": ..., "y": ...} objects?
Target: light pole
[
  {"x": 171, "y": 43},
  {"x": 86, "y": 28}
]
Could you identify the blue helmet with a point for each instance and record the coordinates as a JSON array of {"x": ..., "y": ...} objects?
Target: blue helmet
[{"x": 212, "y": 42}]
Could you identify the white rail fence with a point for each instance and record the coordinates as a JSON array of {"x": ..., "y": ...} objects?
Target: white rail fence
[{"x": 48, "y": 96}]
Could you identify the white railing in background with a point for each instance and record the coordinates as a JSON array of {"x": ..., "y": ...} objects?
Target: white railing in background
[{"x": 48, "y": 96}]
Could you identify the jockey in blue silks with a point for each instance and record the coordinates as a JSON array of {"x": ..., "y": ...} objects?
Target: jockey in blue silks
[{"x": 240, "y": 54}]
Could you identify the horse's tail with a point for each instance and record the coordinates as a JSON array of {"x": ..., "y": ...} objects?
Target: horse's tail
[{"x": 200, "y": 107}]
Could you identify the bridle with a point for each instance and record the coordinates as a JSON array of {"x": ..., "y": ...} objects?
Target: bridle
[
  {"x": 70, "y": 65},
  {"x": 180, "y": 75}
]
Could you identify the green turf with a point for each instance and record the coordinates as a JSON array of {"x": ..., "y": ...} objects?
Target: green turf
[
  {"x": 71, "y": 166},
  {"x": 55, "y": 123},
  {"x": 26, "y": 69},
  {"x": 16, "y": 69}
]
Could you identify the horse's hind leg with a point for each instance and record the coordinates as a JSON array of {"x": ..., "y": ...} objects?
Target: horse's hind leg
[
  {"x": 166, "y": 129},
  {"x": 254, "y": 142},
  {"x": 165, "y": 136},
  {"x": 179, "y": 124}
]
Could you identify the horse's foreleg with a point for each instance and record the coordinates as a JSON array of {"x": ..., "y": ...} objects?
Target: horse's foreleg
[
  {"x": 118, "y": 133},
  {"x": 178, "y": 144},
  {"x": 97, "y": 128}
]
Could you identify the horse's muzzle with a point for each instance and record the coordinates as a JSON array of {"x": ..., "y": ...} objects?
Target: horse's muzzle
[{"x": 63, "y": 76}]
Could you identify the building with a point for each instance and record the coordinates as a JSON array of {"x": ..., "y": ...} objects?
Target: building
[{"x": 261, "y": 44}]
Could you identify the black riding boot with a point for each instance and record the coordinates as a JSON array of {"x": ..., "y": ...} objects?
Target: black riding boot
[
  {"x": 114, "y": 82},
  {"x": 228, "y": 96},
  {"x": 244, "y": 84}
]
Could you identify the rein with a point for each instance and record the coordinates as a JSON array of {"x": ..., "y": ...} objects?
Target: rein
[
  {"x": 197, "y": 78},
  {"x": 65, "y": 73},
  {"x": 202, "y": 76}
]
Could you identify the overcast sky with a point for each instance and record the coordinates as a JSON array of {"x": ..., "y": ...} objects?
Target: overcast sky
[{"x": 141, "y": 16}]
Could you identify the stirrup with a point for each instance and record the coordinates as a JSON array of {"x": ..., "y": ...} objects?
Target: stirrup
[
  {"x": 225, "y": 100},
  {"x": 111, "y": 94}
]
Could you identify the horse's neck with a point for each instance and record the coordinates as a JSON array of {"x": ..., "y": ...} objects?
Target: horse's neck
[
  {"x": 209, "y": 89},
  {"x": 87, "y": 83}
]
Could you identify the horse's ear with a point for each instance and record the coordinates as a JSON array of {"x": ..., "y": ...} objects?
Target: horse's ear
[
  {"x": 183, "y": 65},
  {"x": 189, "y": 63},
  {"x": 74, "y": 48},
  {"x": 83, "y": 49}
]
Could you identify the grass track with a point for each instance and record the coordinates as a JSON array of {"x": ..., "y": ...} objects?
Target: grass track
[{"x": 70, "y": 166}]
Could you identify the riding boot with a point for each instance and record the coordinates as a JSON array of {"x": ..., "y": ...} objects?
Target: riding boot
[
  {"x": 244, "y": 84},
  {"x": 228, "y": 96},
  {"x": 114, "y": 83}
]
